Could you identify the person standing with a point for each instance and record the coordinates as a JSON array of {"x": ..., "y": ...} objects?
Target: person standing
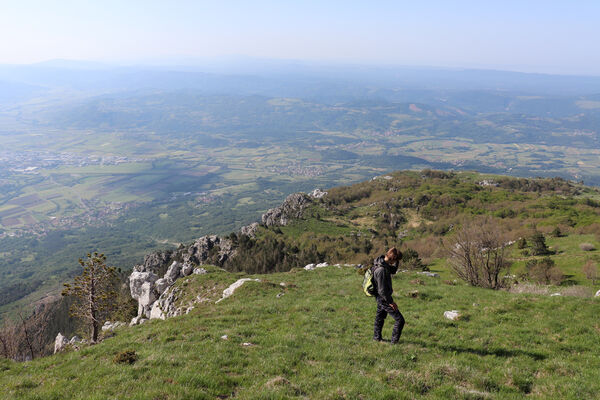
[{"x": 383, "y": 268}]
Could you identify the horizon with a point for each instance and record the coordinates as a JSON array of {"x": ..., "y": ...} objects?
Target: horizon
[{"x": 538, "y": 37}]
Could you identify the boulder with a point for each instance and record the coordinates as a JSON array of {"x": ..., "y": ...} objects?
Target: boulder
[
  {"x": 173, "y": 272},
  {"x": 232, "y": 288},
  {"x": 161, "y": 285},
  {"x": 452, "y": 315},
  {"x": 317, "y": 194},
  {"x": 309, "y": 267},
  {"x": 137, "y": 279},
  {"x": 109, "y": 326},
  {"x": 597, "y": 294},
  {"x": 187, "y": 269},
  {"x": 156, "y": 312},
  {"x": 60, "y": 342},
  {"x": 200, "y": 271},
  {"x": 322, "y": 265}
]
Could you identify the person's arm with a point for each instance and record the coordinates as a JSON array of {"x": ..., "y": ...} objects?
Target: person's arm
[{"x": 383, "y": 289}]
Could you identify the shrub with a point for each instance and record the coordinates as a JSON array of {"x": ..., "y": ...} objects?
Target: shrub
[
  {"x": 125, "y": 357},
  {"x": 538, "y": 244},
  {"x": 476, "y": 253},
  {"x": 411, "y": 260},
  {"x": 557, "y": 232},
  {"x": 544, "y": 271},
  {"x": 521, "y": 243},
  {"x": 590, "y": 270},
  {"x": 587, "y": 247}
]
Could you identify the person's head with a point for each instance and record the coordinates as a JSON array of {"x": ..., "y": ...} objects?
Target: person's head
[{"x": 393, "y": 255}]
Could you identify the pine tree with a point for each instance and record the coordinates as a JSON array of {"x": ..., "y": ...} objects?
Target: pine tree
[
  {"x": 538, "y": 244},
  {"x": 94, "y": 292}
]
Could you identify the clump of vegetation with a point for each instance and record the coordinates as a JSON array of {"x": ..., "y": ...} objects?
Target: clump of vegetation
[
  {"x": 521, "y": 243},
  {"x": 556, "y": 232},
  {"x": 476, "y": 253},
  {"x": 125, "y": 357},
  {"x": 538, "y": 244},
  {"x": 412, "y": 261},
  {"x": 590, "y": 270},
  {"x": 587, "y": 247},
  {"x": 544, "y": 271}
]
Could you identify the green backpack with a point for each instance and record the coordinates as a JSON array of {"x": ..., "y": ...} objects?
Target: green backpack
[{"x": 368, "y": 284}]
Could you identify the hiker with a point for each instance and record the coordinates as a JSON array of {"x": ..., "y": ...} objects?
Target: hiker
[{"x": 383, "y": 268}]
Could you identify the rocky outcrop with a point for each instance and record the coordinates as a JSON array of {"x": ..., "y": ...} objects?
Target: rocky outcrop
[
  {"x": 250, "y": 230},
  {"x": 232, "y": 288},
  {"x": 164, "y": 307},
  {"x": 317, "y": 194},
  {"x": 292, "y": 207},
  {"x": 142, "y": 288},
  {"x": 60, "y": 342},
  {"x": 597, "y": 294},
  {"x": 110, "y": 326}
]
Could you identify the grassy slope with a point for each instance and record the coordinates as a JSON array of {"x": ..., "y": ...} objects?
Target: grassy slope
[{"x": 314, "y": 342}]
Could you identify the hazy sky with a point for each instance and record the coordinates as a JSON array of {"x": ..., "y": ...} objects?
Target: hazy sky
[{"x": 542, "y": 36}]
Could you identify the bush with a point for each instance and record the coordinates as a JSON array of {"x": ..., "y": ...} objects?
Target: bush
[
  {"x": 411, "y": 260},
  {"x": 590, "y": 270},
  {"x": 538, "y": 244},
  {"x": 587, "y": 247},
  {"x": 544, "y": 271},
  {"x": 521, "y": 243},
  {"x": 125, "y": 357},
  {"x": 557, "y": 232}
]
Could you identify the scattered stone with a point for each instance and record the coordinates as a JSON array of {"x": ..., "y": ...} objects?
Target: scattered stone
[
  {"x": 555, "y": 294},
  {"x": 413, "y": 294},
  {"x": 59, "y": 343},
  {"x": 109, "y": 326},
  {"x": 309, "y": 267},
  {"x": 189, "y": 309},
  {"x": 200, "y": 271},
  {"x": 282, "y": 284},
  {"x": 279, "y": 295},
  {"x": 430, "y": 274},
  {"x": 452, "y": 315},
  {"x": 322, "y": 265},
  {"x": 475, "y": 304},
  {"x": 74, "y": 340},
  {"x": 597, "y": 294},
  {"x": 232, "y": 288},
  {"x": 247, "y": 344},
  {"x": 224, "y": 337}
]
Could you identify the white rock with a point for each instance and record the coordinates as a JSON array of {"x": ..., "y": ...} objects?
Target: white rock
[
  {"x": 137, "y": 279},
  {"x": 142, "y": 320},
  {"x": 224, "y": 337},
  {"x": 200, "y": 271},
  {"x": 279, "y": 295},
  {"x": 161, "y": 285},
  {"x": 173, "y": 272},
  {"x": 187, "y": 269},
  {"x": 190, "y": 308},
  {"x": 451, "y": 314},
  {"x": 232, "y": 288},
  {"x": 322, "y": 265},
  {"x": 317, "y": 194},
  {"x": 427, "y": 273},
  {"x": 59, "y": 343},
  {"x": 247, "y": 344},
  {"x": 555, "y": 294},
  {"x": 309, "y": 267},
  {"x": 75, "y": 339},
  {"x": 156, "y": 312},
  {"x": 598, "y": 293}
]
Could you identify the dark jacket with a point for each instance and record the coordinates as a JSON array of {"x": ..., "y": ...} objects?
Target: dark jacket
[{"x": 382, "y": 276}]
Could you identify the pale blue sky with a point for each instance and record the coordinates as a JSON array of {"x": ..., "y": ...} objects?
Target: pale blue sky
[{"x": 541, "y": 36}]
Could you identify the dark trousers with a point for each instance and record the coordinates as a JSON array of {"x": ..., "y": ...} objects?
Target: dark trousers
[{"x": 383, "y": 309}]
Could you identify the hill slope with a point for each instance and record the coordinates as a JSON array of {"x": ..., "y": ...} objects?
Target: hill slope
[{"x": 314, "y": 342}]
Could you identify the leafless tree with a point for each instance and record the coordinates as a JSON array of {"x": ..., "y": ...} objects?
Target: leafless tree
[
  {"x": 476, "y": 252},
  {"x": 590, "y": 269}
]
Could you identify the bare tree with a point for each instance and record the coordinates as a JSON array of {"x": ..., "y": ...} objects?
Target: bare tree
[
  {"x": 94, "y": 291},
  {"x": 590, "y": 269},
  {"x": 27, "y": 337},
  {"x": 476, "y": 252}
]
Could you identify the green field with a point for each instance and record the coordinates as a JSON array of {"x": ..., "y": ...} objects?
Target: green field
[{"x": 315, "y": 342}]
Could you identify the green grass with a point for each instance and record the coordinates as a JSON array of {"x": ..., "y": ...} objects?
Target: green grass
[{"x": 314, "y": 342}]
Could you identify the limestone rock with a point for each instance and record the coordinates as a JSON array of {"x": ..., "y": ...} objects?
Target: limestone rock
[
  {"x": 60, "y": 342},
  {"x": 452, "y": 315},
  {"x": 309, "y": 267},
  {"x": 597, "y": 294},
  {"x": 110, "y": 326},
  {"x": 232, "y": 288},
  {"x": 292, "y": 207},
  {"x": 186, "y": 269},
  {"x": 200, "y": 271},
  {"x": 250, "y": 230},
  {"x": 173, "y": 272},
  {"x": 161, "y": 285},
  {"x": 427, "y": 273},
  {"x": 317, "y": 194}
]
